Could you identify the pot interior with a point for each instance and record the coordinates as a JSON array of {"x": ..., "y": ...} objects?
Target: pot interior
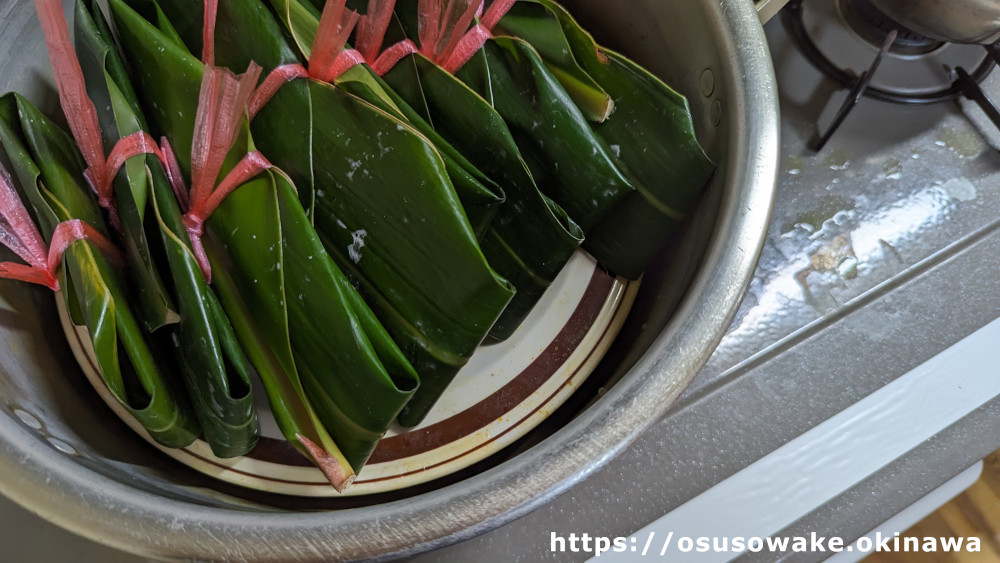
[{"x": 45, "y": 394}]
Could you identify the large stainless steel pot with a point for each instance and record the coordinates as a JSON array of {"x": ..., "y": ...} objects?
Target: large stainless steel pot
[{"x": 64, "y": 456}]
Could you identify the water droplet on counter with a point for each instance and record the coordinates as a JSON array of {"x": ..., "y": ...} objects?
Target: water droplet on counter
[
  {"x": 960, "y": 188},
  {"x": 827, "y": 208},
  {"x": 837, "y": 160},
  {"x": 964, "y": 143},
  {"x": 893, "y": 169},
  {"x": 848, "y": 268},
  {"x": 794, "y": 165},
  {"x": 62, "y": 446},
  {"x": 28, "y": 419}
]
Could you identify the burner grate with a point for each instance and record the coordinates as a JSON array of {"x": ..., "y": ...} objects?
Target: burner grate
[{"x": 874, "y": 27}]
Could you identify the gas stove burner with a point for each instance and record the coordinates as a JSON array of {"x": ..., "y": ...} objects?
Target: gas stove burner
[
  {"x": 858, "y": 28},
  {"x": 872, "y": 26},
  {"x": 913, "y": 47}
]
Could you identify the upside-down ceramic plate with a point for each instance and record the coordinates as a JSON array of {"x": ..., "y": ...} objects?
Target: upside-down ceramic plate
[{"x": 505, "y": 391}]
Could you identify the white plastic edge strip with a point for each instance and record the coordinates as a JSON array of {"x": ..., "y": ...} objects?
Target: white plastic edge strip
[
  {"x": 826, "y": 461},
  {"x": 914, "y": 513}
]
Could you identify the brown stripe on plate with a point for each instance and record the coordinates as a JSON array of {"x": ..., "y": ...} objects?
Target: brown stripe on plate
[
  {"x": 486, "y": 411},
  {"x": 275, "y": 449},
  {"x": 513, "y": 427},
  {"x": 512, "y": 394},
  {"x": 280, "y": 451},
  {"x": 262, "y": 477}
]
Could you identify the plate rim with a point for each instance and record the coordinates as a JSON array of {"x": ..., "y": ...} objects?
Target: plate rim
[{"x": 616, "y": 296}]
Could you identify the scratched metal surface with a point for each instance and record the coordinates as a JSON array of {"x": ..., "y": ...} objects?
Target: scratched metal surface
[
  {"x": 832, "y": 314},
  {"x": 893, "y": 187}
]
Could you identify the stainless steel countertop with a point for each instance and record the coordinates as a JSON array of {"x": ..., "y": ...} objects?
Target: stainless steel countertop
[{"x": 881, "y": 253}]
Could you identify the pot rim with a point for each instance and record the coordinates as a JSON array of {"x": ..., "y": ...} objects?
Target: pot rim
[{"x": 141, "y": 522}]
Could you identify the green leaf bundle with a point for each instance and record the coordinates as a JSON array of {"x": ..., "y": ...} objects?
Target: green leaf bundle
[
  {"x": 530, "y": 238},
  {"x": 132, "y": 364},
  {"x": 214, "y": 368},
  {"x": 382, "y": 202},
  {"x": 650, "y": 133},
  {"x": 334, "y": 377}
]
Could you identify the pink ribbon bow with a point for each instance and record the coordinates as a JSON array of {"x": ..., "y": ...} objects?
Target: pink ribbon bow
[
  {"x": 19, "y": 233},
  {"x": 222, "y": 102},
  {"x": 81, "y": 113},
  {"x": 443, "y": 27},
  {"x": 328, "y": 59}
]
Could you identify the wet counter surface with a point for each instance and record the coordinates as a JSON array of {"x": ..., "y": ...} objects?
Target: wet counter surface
[{"x": 882, "y": 252}]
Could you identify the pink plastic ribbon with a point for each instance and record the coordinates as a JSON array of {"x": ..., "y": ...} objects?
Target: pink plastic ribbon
[
  {"x": 372, "y": 27},
  {"x": 19, "y": 233},
  {"x": 81, "y": 113},
  {"x": 497, "y": 10},
  {"x": 274, "y": 81},
  {"x": 79, "y": 109},
  {"x": 443, "y": 27},
  {"x": 328, "y": 59},
  {"x": 223, "y": 100},
  {"x": 174, "y": 175},
  {"x": 391, "y": 56},
  {"x": 208, "y": 33},
  {"x": 371, "y": 35},
  {"x": 443, "y": 35}
]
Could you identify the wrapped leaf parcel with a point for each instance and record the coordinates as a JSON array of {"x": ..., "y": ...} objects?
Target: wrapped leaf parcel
[
  {"x": 206, "y": 348},
  {"x": 306, "y": 330},
  {"x": 650, "y": 132},
  {"x": 566, "y": 158},
  {"x": 50, "y": 171},
  {"x": 383, "y": 204},
  {"x": 530, "y": 238},
  {"x": 237, "y": 20},
  {"x": 613, "y": 145}
]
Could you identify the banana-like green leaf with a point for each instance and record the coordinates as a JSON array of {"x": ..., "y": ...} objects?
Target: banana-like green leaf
[
  {"x": 307, "y": 305},
  {"x": 481, "y": 197},
  {"x": 215, "y": 371},
  {"x": 568, "y": 161},
  {"x": 131, "y": 189},
  {"x": 651, "y": 135},
  {"x": 246, "y": 32},
  {"x": 392, "y": 221},
  {"x": 530, "y": 21},
  {"x": 384, "y": 208},
  {"x": 301, "y": 21},
  {"x": 50, "y": 171},
  {"x": 531, "y": 237},
  {"x": 280, "y": 287}
]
